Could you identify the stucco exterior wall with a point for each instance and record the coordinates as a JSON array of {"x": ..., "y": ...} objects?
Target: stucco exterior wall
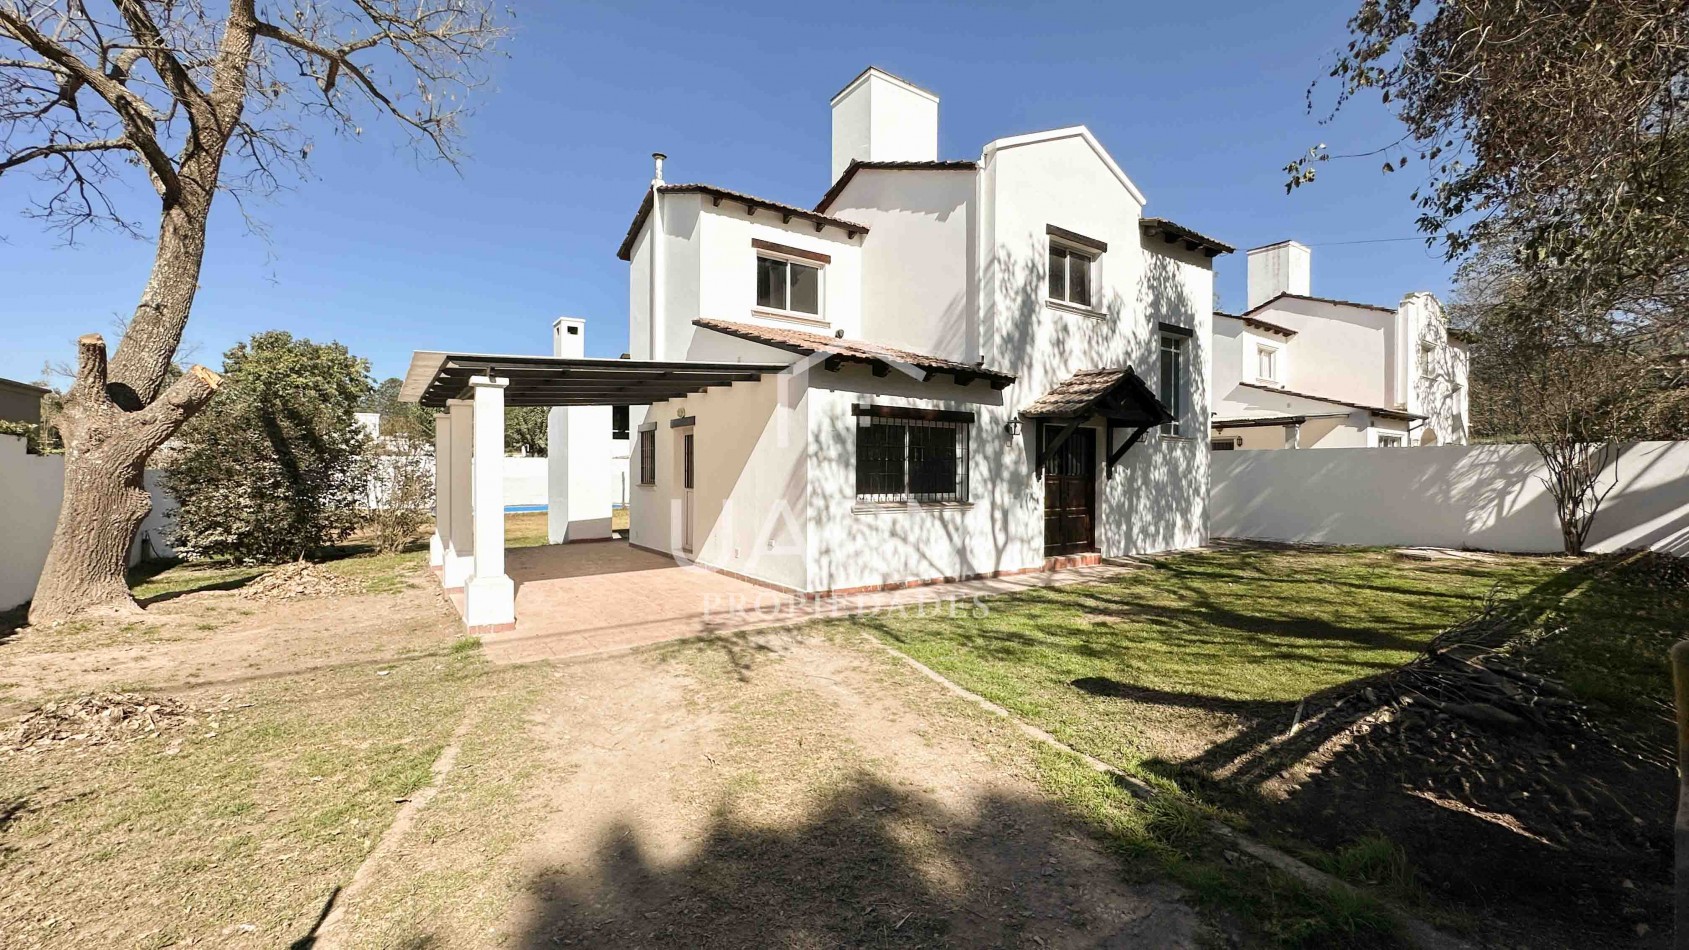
[
  {"x": 855, "y": 545},
  {"x": 1341, "y": 352},
  {"x": 1478, "y": 496},
  {"x": 751, "y": 480},
  {"x": 1157, "y": 498},
  {"x": 919, "y": 286}
]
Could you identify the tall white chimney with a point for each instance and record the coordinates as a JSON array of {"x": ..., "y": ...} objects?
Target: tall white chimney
[
  {"x": 881, "y": 118},
  {"x": 1282, "y": 268}
]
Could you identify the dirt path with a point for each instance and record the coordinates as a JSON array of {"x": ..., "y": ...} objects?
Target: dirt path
[{"x": 779, "y": 790}]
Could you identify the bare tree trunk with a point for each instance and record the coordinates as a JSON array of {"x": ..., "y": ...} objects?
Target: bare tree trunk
[
  {"x": 112, "y": 421},
  {"x": 104, "y": 498}
]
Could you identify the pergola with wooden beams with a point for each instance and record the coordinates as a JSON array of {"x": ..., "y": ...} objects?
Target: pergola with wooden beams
[
  {"x": 472, "y": 391},
  {"x": 1118, "y": 396}
]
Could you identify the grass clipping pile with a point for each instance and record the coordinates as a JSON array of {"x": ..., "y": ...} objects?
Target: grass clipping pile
[
  {"x": 294, "y": 581},
  {"x": 96, "y": 719}
]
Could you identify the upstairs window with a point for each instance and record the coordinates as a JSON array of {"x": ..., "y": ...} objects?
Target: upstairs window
[
  {"x": 1073, "y": 267},
  {"x": 1266, "y": 363},
  {"x": 911, "y": 460},
  {"x": 1070, "y": 276},
  {"x": 1173, "y": 380},
  {"x": 789, "y": 286}
]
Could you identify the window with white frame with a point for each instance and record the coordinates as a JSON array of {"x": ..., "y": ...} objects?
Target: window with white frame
[
  {"x": 1173, "y": 380},
  {"x": 1389, "y": 441},
  {"x": 1070, "y": 274},
  {"x": 788, "y": 285},
  {"x": 918, "y": 457},
  {"x": 1266, "y": 362}
]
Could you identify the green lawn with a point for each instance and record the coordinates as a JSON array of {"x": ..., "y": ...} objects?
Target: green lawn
[
  {"x": 1198, "y": 634},
  {"x": 1190, "y": 671}
]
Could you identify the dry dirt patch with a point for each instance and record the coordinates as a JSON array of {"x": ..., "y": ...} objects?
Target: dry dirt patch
[
  {"x": 781, "y": 789},
  {"x": 217, "y": 638}
]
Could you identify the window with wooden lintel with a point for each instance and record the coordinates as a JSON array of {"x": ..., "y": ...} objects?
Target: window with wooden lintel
[
  {"x": 648, "y": 456},
  {"x": 789, "y": 278},
  {"x": 911, "y": 455},
  {"x": 1073, "y": 263}
]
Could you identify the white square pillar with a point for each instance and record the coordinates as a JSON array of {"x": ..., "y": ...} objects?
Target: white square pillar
[
  {"x": 460, "y": 555},
  {"x": 489, "y": 599},
  {"x": 440, "y": 543}
]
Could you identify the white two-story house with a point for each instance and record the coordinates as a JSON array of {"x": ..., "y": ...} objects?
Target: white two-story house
[
  {"x": 1299, "y": 371},
  {"x": 992, "y": 365}
]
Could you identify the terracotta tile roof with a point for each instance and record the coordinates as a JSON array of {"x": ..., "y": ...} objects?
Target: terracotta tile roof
[
  {"x": 1375, "y": 410},
  {"x": 1258, "y": 324},
  {"x": 855, "y": 166},
  {"x": 1079, "y": 394},
  {"x": 804, "y": 343},
  {"x": 851, "y": 228},
  {"x": 1173, "y": 233}
]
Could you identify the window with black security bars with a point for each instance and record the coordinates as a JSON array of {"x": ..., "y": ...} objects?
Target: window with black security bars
[
  {"x": 648, "y": 457},
  {"x": 911, "y": 460}
]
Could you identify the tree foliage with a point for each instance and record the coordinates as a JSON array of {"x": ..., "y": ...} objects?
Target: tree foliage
[
  {"x": 1552, "y": 128},
  {"x": 276, "y": 468},
  {"x": 190, "y": 98},
  {"x": 405, "y": 420},
  {"x": 1538, "y": 377},
  {"x": 525, "y": 430}
]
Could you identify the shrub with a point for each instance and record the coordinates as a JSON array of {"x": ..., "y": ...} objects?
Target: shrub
[{"x": 275, "y": 468}]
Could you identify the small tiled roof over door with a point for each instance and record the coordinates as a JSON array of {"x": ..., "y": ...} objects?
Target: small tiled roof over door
[{"x": 1118, "y": 394}]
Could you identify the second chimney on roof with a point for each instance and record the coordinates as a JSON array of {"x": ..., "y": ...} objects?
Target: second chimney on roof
[
  {"x": 1282, "y": 268},
  {"x": 881, "y": 118}
]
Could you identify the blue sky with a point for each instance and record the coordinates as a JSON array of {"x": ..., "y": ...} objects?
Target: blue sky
[{"x": 1201, "y": 104}]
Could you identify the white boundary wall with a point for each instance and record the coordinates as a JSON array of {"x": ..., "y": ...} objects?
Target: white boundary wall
[
  {"x": 1475, "y": 496},
  {"x": 31, "y": 488}
]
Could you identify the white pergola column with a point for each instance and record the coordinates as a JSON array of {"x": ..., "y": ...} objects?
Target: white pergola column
[
  {"x": 460, "y": 556},
  {"x": 489, "y": 599},
  {"x": 440, "y": 543}
]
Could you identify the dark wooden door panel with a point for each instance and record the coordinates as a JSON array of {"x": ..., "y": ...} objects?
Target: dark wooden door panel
[{"x": 1070, "y": 493}]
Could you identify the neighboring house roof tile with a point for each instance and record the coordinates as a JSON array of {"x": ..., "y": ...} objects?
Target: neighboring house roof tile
[
  {"x": 857, "y": 165},
  {"x": 752, "y": 202},
  {"x": 804, "y": 343},
  {"x": 1173, "y": 233},
  {"x": 1290, "y": 296},
  {"x": 1258, "y": 324},
  {"x": 1081, "y": 393},
  {"x": 1375, "y": 410}
]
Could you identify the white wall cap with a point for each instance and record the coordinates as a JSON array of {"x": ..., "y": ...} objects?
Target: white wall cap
[
  {"x": 875, "y": 72},
  {"x": 1053, "y": 135},
  {"x": 1268, "y": 247}
]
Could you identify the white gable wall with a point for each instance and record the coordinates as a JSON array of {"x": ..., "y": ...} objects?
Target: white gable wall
[{"x": 918, "y": 286}]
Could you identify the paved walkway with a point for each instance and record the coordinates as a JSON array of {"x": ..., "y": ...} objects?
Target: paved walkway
[{"x": 581, "y": 599}]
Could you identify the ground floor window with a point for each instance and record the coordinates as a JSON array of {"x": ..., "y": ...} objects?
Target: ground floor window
[
  {"x": 1389, "y": 441},
  {"x": 648, "y": 457},
  {"x": 911, "y": 460}
]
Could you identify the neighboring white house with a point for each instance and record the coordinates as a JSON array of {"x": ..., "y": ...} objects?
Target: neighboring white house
[
  {"x": 991, "y": 365},
  {"x": 1298, "y": 371}
]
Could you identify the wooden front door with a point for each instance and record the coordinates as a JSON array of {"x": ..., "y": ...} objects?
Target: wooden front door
[{"x": 1070, "y": 492}]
